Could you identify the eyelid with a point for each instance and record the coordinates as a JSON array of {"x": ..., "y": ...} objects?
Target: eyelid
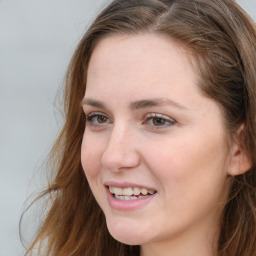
[
  {"x": 170, "y": 121},
  {"x": 159, "y": 115},
  {"x": 95, "y": 113},
  {"x": 91, "y": 115}
]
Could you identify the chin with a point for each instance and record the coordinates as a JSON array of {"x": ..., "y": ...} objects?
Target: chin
[{"x": 127, "y": 232}]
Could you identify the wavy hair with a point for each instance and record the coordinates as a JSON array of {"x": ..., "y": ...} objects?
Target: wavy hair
[{"x": 221, "y": 38}]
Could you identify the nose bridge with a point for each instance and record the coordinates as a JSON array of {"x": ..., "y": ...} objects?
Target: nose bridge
[{"x": 120, "y": 151}]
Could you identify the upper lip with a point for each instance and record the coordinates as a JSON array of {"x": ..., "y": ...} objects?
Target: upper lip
[{"x": 126, "y": 185}]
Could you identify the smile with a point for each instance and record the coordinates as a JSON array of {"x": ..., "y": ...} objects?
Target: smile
[{"x": 130, "y": 193}]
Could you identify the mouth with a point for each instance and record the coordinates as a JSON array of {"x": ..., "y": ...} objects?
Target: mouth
[{"x": 130, "y": 193}]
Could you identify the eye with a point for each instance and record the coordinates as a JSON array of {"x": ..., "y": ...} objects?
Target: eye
[
  {"x": 158, "y": 121},
  {"x": 97, "y": 119}
]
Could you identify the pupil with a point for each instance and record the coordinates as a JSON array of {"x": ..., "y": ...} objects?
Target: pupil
[
  {"x": 158, "y": 121},
  {"x": 101, "y": 119}
]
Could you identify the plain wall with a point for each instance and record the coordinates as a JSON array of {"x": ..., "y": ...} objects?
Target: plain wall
[{"x": 37, "y": 39}]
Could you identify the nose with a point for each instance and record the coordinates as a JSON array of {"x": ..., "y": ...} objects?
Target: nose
[{"x": 121, "y": 150}]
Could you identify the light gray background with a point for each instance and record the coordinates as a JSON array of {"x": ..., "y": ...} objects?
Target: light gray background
[{"x": 37, "y": 39}]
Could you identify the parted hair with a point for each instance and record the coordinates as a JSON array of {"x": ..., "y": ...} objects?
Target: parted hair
[{"x": 222, "y": 40}]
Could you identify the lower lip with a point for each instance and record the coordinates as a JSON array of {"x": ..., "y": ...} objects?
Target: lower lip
[{"x": 125, "y": 205}]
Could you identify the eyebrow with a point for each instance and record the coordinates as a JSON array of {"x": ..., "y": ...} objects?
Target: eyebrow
[
  {"x": 145, "y": 103},
  {"x": 93, "y": 103},
  {"x": 138, "y": 104}
]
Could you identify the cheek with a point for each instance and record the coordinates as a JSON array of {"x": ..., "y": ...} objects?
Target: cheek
[
  {"x": 192, "y": 178},
  {"x": 189, "y": 163},
  {"x": 90, "y": 157}
]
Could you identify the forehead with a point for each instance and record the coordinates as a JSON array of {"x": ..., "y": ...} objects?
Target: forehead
[
  {"x": 145, "y": 45},
  {"x": 142, "y": 60}
]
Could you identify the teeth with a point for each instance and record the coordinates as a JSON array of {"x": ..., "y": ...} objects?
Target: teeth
[
  {"x": 144, "y": 191},
  {"x": 151, "y": 192},
  {"x": 136, "y": 191},
  {"x": 126, "y": 193},
  {"x": 126, "y": 197},
  {"x": 116, "y": 191},
  {"x": 111, "y": 190}
]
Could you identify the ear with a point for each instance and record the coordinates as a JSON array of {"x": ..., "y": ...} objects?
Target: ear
[{"x": 240, "y": 162}]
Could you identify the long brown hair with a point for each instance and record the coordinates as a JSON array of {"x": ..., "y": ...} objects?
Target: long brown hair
[{"x": 221, "y": 38}]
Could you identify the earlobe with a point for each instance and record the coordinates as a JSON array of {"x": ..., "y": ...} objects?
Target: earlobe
[{"x": 240, "y": 161}]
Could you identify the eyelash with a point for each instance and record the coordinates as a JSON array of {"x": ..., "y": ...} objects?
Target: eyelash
[
  {"x": 92, "y": 119},
  {"x": 154, "y": 116},
  {"x": 94, "y": 115}
]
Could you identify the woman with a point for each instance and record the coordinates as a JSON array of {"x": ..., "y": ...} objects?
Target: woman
[{"x": 158, "y": 147}]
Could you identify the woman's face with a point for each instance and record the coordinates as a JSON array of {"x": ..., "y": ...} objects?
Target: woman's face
[{"x": 154, "y": 148}]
